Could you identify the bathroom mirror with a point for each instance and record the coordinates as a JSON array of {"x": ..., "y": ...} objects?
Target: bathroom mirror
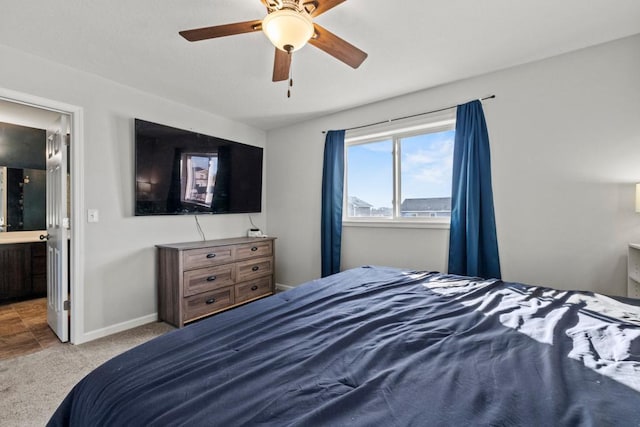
[
  {"x": 23, "y": 192},
  {"x": 22, "y": 199}
]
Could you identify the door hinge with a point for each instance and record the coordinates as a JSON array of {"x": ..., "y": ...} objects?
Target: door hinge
[
  {"x": 66, "y": 223},
  {"x": 66, "y": 306},
  {"x": 66, "y": 139}
]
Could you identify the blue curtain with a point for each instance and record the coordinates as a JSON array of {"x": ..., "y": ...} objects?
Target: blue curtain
[
  {"x": 332, "y": 189},
  {"x": 473, "y": 245}
]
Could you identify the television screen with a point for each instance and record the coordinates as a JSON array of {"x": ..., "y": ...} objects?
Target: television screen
[{"x": 183, "y": 172}]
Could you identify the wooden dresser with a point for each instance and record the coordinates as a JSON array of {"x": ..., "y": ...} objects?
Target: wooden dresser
[{"x": 197, "y": 279}]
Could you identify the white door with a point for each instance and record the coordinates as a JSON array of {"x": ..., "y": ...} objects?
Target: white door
[{"x": 57, "y": 229}]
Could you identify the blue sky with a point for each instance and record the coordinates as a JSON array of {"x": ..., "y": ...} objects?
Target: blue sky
[
  {"x": 201, "y": 161},
  {"x": 426, "y": 168}
]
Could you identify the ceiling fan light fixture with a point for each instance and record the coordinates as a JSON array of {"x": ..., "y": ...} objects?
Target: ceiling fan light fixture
[{"x": 287, "y": 29}]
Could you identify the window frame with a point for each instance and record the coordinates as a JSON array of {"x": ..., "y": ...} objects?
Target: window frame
[{"x": 433, "y": 123}]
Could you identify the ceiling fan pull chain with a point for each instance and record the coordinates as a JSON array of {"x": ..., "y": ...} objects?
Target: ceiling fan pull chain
[{"x": 289, "y": 51}]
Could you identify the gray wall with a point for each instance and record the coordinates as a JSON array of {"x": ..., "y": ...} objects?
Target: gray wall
[
  {"x": 119, "y": 255},
  {"x": 565, "y": 140},
  {"x": 566, "y": 150}
]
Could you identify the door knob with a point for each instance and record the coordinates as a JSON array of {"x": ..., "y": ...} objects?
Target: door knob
[{"x": 45, "y": 237}]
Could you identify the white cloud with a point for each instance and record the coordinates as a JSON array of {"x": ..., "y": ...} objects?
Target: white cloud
[{"x": 431, "y": 164}]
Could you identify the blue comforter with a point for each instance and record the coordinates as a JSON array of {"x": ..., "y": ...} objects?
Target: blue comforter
[{"x": 377, "y": 346}]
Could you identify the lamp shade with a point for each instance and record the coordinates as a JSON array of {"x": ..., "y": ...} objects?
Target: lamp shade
[
  {"x": 286, "y": 27},
  {"x": 638, "y": 198}
]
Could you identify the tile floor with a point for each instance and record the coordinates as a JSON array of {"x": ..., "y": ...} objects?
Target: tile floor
[{"x": 24, "y": 329}]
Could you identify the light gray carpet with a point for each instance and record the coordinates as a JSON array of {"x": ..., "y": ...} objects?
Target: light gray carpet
[{"x": 32, "y": 386}]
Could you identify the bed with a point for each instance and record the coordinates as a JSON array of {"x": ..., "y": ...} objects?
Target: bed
[{"x": 378, "y": 346}]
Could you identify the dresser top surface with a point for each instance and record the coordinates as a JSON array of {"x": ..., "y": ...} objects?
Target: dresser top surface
[{"x": 212, "y": 243}]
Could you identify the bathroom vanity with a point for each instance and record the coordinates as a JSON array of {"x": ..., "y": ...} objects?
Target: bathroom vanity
[
  {"x": 24, "y": 271},
  {"x": 23, "y": 264}
]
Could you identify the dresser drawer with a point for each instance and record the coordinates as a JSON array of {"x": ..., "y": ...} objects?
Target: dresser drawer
[
  {"x": 206, "y": 303},
  {"x": 253, "y": 289},
  {"x": 205, "y": 257},
  {"x": 208, "y": 279},
  {"x": 254, "y": 250},
  {"x": 247, "y": 270}
]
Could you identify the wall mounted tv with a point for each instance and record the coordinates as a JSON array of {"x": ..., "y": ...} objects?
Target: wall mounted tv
[{"x": 181, "y": 172}]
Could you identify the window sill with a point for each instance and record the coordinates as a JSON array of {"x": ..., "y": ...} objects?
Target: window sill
[{"x": 443, "y": 225}]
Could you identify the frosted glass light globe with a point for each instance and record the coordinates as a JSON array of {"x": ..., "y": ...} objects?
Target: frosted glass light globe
[{"x": 288, "y": 30}]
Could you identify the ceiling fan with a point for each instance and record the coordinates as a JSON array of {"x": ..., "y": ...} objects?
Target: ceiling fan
[{"x": 289, "y": 26}]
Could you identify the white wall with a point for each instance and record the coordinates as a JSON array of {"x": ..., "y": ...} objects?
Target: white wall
[
  {"x": 565, "y": 140},
  {"x": 119, "y": 271}
]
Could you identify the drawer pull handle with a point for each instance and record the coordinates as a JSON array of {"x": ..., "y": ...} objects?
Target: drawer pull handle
[
  {"x": 211, "y": 301},
  {"x": 211, "y": 278},
  {"x": 254, "y": 288},
  {"x": 253, "y": 249},
  {"x": 255, "y": 268},
  {"x": 211, "y": 255}
]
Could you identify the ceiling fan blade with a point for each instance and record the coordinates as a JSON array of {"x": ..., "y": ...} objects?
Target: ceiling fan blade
[
  {"x": 221, "y": 30},
  {"x": 340, "y": 49},
  {"x": 281, "y": 65},
  {"x": 319, "y": 7}
]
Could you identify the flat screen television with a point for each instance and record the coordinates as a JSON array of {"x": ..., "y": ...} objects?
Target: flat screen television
[{"x": 181, "y": 172}]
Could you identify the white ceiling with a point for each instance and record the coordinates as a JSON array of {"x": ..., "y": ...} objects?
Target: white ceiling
[
  {"x": 412, "y": 45},
  {"x": 24, "y": 115}
]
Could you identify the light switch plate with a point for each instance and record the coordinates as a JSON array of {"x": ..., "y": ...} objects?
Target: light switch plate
[{"x": 92, "y": 215}]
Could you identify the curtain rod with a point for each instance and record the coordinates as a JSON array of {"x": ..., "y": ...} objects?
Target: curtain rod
[{"x": 411, "y": 116}]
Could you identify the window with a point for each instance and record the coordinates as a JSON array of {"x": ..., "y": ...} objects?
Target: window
[
  {"x": 401, "y": 173},
  {"x": 199, "y": 178}
]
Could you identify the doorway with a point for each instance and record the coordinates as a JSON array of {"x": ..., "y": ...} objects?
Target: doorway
[{"x": 66, "y": 265}]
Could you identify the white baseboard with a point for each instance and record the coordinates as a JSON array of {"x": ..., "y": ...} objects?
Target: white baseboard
[
  {"x": 118, "y": 327},
  {"x": 129, "y": 324},
  {"x": 281, "y": 288}
]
